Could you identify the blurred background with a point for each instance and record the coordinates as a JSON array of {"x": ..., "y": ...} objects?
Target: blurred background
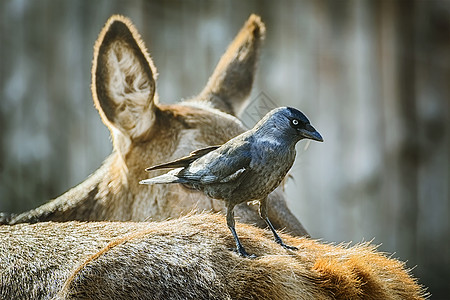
[{"x": 373, "y": 76}]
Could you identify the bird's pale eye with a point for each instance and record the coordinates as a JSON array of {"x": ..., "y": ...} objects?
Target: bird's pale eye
[{"x": 295, "y": 123}]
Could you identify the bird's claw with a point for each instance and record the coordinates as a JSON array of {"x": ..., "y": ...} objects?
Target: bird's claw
[
  {"x": 243, "y": 253},
  {"x": 280, "y": 242},
  {"x": 288, "y": 247}
]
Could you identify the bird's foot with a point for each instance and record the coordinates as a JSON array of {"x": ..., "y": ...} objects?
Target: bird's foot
[
  {"x": 241, "y": 251},
  {"x": 279, "y": 241},
  {"x": 288, "y": 247}
]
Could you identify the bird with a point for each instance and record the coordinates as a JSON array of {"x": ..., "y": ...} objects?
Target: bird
[{"x": 246, "y": 168}]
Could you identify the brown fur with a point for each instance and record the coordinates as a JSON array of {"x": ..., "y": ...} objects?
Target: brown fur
[
  {"x": 146, "y": 133},
  {"x": 188, "y": 258}
]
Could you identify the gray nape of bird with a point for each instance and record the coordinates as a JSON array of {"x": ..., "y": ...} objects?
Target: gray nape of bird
[{"x": 246, "y": 168}]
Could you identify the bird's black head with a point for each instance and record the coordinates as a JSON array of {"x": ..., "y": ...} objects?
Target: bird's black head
[
  {"x": 300, "y": 123},
  {"x": 288, "y": 124}
]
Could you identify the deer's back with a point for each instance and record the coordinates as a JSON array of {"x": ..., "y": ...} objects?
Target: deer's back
[{"x": 187, "y": 258}]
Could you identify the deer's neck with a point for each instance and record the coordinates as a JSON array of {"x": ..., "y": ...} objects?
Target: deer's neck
[{"x": 93, "y": 199}]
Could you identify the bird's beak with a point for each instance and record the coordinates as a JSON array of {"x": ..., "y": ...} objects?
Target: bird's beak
[{"x": 310, "y": 133}]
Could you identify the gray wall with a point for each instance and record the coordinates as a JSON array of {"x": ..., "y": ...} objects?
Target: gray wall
[{"x": 373, "y": 76}]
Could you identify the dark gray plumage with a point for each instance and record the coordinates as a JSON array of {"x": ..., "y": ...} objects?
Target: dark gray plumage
[{"x": 247, "y": 167}]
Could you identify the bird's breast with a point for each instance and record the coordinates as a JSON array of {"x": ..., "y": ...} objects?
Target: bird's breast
[{"x": 265, "y": 174}]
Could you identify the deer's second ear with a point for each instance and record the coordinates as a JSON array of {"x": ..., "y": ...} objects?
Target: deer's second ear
[
  {"x": 230, "y": 85},
  {"x": 123, "y": 79}
]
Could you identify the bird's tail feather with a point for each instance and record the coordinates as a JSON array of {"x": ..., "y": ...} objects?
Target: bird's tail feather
[{"x": 165, "y": 178}]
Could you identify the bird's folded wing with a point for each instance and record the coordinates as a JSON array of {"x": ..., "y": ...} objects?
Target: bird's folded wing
[
  {"x": 184, "y": 161},
  {"x": 228, "y": 165}
]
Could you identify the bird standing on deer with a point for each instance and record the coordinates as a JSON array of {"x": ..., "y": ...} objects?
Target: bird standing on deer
[{"x": 246, "y": 168}]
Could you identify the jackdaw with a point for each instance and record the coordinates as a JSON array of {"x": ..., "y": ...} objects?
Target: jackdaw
[{"x": 247, "y": 167}]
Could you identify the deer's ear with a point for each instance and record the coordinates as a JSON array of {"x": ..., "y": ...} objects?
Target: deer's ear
[
  {"x": 123, "y": 79},
  {"x": 230, "y": 85}
]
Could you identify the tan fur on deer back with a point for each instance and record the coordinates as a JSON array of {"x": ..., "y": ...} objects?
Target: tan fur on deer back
[{"x": 188, "y": 258}]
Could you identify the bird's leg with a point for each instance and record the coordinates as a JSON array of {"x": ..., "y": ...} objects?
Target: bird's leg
[
  {"x": 277, "y": 237},
  {"x": 263, "y": 214},
  {"x": 230, "y": 222}
]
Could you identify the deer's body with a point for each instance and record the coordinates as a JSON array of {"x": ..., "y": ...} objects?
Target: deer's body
[
  {"x": 187, "y": 258},
  {"x": 146, "y": 132}
]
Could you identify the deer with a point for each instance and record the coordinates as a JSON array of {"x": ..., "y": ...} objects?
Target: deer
[
  {"x": 146, "y": 132},
  {"x": 188, "y": 258},
  {"x": 95, "y": 241}
]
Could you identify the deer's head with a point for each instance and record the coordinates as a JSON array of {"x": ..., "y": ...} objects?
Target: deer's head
[{"x": 146, "y": 132}]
